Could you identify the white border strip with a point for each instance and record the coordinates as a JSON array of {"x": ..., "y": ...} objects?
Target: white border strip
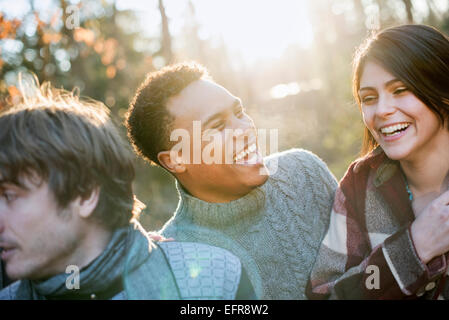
[{"x": 394, "y": 272}]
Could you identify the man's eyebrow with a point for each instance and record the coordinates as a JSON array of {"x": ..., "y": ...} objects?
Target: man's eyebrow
[
  {"x": 387, "y": 84},
  {"x": 234, "y": 103},
  {"x": 4, "y": 184}
]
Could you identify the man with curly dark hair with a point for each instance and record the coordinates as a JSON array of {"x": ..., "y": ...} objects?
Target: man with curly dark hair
[{"x": 272, "y": 213}]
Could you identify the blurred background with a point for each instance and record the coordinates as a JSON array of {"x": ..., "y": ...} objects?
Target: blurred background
[{"x": 288, "y": 60}]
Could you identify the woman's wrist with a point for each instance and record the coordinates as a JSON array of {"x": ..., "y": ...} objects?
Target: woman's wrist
[{"x": 419, "y": 244}]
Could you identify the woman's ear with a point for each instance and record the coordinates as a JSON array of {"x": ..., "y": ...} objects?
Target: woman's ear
[{"x": 171, "y": 162}]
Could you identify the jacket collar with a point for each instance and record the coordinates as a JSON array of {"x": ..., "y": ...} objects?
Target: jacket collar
[
  {"x": 377, "y": 160},
  {"x": 389, "y": 181}
]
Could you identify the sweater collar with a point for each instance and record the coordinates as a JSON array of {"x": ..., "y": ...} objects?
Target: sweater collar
[{"x": 220, "y": 214}]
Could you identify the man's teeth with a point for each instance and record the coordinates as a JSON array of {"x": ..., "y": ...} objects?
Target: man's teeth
[
  {"x": 251, "y": 148},
  {"x": 391, "y": 129}
]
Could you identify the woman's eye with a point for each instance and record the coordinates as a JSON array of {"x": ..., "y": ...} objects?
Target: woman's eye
[
  {"x": 368, "y": 99},
  {"x": 400, "y": 90}
]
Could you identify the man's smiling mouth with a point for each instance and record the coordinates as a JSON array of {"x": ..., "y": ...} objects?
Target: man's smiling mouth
[{"x": 249, "y": 149}]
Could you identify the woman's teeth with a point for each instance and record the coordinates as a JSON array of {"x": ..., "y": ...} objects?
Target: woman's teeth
[
  {"x": 251, "y": 148},
  {"x": 395, "y": 129}
]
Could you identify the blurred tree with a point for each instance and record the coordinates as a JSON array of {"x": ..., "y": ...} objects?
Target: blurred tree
[
  {"x": 409, "y": 9},
  {"x": 166, "y": 48},
  {"x": 8, "y": 30},
  {"x": 360, "y": 15},
  {"x": 98, "y": 57},
  {"x": 432, "y": 17}
]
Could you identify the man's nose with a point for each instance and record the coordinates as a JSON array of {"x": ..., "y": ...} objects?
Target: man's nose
[
  {"x": 2, "y": 224},
  {"x": 244, "y": 123},
  {"x": 2, "y": 217}
]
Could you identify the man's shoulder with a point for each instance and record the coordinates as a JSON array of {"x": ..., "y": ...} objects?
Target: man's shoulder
[
  {"x": 293, "y": 153},
  {"x": 196, "y": 251},
  {"x": 294, "y": 157},
  {"x": 10, "y": 292},
  {"x": 203, "y": 270},
  {"x": 297, "y": 162},
  {"x": 187, "y": 270}
]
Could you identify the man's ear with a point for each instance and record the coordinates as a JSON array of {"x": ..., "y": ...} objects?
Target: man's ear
[
  {"x": 172, "y": 164},
  {"x": 87, "y": 206}
]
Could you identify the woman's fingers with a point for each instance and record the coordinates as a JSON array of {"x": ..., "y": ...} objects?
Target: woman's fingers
[{"x": 158, "y": 238}]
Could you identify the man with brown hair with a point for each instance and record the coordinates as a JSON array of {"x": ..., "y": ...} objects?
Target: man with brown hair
[
  {"x": 272, "y": 213},
  {"x": 66, "y": 201}
]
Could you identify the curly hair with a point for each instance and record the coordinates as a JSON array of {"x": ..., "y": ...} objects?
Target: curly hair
[
  {"x": 148, "y": 121},
  {"x": 53, "y": 136}
]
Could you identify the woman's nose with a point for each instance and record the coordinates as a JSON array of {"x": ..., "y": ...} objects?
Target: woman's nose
[{"x": 386, "y": 106}]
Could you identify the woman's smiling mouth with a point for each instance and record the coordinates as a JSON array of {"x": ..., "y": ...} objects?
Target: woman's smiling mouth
[{"x": 394, "y": 131}]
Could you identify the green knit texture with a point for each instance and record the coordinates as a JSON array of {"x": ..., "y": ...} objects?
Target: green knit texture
[{"x": 275, "y": 230}]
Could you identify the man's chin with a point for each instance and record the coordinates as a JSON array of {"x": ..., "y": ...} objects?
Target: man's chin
[
  {"x": 263, "y": 171},
  {"x": 13, "y": 274},
  {"x": 257, "y": 176},
  {"x": 263, "y": 178},
  {"x": 16, "y": 273}
]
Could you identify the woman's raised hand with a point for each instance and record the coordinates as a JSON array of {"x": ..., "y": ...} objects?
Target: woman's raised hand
[{"x": 430, "y": 231}]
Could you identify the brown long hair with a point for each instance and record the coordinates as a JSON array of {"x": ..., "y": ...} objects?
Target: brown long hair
[
  {"x": 418, "y": 55},
  {"x": 73, "y": 145}
]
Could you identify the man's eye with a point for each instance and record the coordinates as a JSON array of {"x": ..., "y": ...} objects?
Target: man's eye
[
  {"x": 9, "y": 196},
  {"x": 218, "y": 125},
  {"x": 239, "y": 113},
  {"x": 210, "y": 132}
]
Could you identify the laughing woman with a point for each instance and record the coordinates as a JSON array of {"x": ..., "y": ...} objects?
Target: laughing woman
[{"x": 389, "y": 232}]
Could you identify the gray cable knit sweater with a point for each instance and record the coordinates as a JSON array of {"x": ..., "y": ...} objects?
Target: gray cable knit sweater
[{"x": 275, "y": 230}]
